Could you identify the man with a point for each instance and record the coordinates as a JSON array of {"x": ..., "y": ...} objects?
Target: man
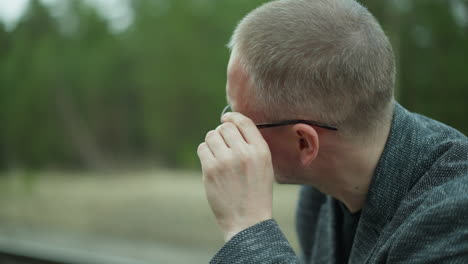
[{"x": 311, "y": 83}]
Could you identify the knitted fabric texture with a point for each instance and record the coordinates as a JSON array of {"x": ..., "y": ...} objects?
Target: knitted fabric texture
[{"x": 416, "y": 210}]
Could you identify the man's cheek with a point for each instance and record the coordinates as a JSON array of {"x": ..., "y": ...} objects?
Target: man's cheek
[
  {"x": 268, "y": 137},
  {"x": 277, "y": 161}
]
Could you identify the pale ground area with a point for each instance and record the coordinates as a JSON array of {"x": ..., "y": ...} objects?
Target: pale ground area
[{"x": 138, "y": 217}]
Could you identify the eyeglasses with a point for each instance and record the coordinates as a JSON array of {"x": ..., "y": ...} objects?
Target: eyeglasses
[{"x": 286, "y": 122}]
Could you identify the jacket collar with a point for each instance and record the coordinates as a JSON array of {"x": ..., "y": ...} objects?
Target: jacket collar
[{"x": 393, "y": 178}]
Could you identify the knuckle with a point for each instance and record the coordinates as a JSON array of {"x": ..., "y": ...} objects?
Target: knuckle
[
  {"x": 201, "y": 147},
  {"x": 226, "y": 161},
  {"x": 221, "y": 128},
  {"x": 230, "y": 125},
  {"x": 244, "y": 122},
  {"x": 265, "y": 153},
  {"x": 244, "y": 159},
  {"x": 209, "y": 135},
  {"x": 244, "y": 154},
  {"x": 225, "y": 127},
  {"x": 235, "y": 117}
]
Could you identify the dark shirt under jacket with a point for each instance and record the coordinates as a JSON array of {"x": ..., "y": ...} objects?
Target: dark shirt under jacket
[{"x": 416, "y": 209}]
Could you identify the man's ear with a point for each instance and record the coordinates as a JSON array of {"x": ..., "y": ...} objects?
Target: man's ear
[{"x": 307, "y": 143}]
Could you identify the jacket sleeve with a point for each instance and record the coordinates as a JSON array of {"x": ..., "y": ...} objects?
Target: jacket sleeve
[
  {"x": 437, "y": 231},
  {"x": 261, "y": 243}
]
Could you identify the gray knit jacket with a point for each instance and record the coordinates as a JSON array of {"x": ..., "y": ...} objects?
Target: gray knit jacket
[{"x": 416, "y": 209}]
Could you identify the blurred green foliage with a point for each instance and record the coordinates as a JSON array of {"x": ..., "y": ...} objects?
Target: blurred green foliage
[{"x": 76, "y": 94}]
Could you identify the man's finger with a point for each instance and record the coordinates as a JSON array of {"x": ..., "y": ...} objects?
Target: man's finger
[
  {"x": 231, "y": 135},
  {"x": 204, "y": 153},
  {"x": 216, "y": 143},
  {"x": 207, "y": 159},
  {"x": 246, "y": 126}
]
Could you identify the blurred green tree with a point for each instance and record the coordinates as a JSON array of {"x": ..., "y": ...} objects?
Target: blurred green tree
[{"x": 75, "y": 94}]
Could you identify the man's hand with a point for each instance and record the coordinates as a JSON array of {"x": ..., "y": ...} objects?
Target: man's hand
[{"x": 237, "y": 174}]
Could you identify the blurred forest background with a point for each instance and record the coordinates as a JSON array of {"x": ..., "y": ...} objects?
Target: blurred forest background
[
  {"x": 130, "y": 95},
  {"x": 77, "y": 92}
]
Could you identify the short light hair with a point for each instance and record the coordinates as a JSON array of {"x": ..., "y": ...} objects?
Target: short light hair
[{"x": 326, "y": 59}]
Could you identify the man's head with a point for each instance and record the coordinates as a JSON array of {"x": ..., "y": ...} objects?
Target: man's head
[{"x": 322, "y": 60}]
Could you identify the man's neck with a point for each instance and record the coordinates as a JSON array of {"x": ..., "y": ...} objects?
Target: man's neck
[{"x": 349, "y": 169}]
